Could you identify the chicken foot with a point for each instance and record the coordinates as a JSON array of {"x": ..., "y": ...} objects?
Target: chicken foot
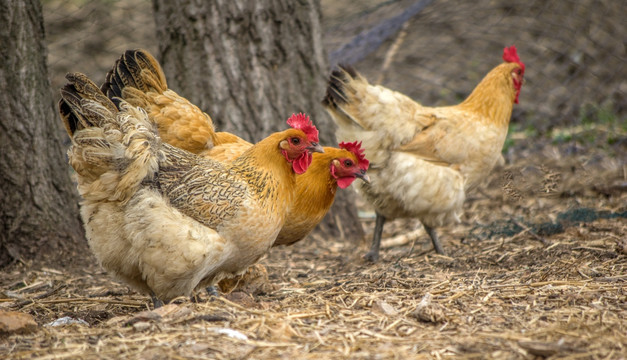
[{"x": 156, "y": 303}]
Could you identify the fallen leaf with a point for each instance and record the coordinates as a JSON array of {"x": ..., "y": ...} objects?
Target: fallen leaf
[
  {"x": 254, "y": 281},
  {"x": 544, "y": 349},
  {"x": 384, "y": 308},
  {"x": 168, "y": 312},
  {"x": 15, "y": 322},
  {"x": 428, "y": 311}
]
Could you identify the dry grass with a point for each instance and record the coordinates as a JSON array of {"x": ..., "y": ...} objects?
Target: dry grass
[
  {"x": 569, "y": 297},
  {"x": 522, "y": 295}
]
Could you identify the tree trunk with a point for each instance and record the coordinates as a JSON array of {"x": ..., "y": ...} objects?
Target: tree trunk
[
  {"x": 250, "y": 65},
  {"x": 39, "y": 212}
]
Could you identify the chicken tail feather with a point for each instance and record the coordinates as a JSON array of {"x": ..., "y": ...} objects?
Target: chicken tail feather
[
  {"x": 336, "y": 90},
  {"x": 112, "y": 151},
  {"x": 341, "y": 96},
  {"x": 74, "y": 96},
  {"x": 136, "y": 69}
]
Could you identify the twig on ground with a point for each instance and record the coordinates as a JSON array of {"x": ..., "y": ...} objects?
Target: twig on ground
[
  {"x": 531, "y": 232},
  {"x": 25, "y": 302}
]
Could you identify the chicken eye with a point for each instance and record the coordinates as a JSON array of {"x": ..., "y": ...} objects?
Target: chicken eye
[
  {"x": 348, "y": 163},
  {"x": 295, "y": 141},
  {"x": 518, "y": 71}
]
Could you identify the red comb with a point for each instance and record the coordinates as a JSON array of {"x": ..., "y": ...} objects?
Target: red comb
[
  {"x": 356, "y": 149},
  {"x": 510, "y": 55},
  {"x": 302, "y": 122}
]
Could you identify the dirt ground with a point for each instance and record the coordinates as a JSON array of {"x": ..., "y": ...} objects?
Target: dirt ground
[
  {"x": 526, "y": 275},
  {"x": 536, "y": 269}
]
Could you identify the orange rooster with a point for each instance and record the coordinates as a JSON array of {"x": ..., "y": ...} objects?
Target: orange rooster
[
  {"x": 424, "y": 159},
  {"x": 138, "y": 78},
  {"x": 165, "y": 220}
]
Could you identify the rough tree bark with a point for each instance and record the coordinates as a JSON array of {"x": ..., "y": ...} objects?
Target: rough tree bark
[
  {"x": 250, "y": 65},
  {"x": 39, "y": 212}
]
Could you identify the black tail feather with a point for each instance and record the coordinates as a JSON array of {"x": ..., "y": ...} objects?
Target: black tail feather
[
  {"x": 137, "y": 69},
  {"x": 71, "y": 107},
  {"x": 335, "y": 90},
  {"x": 70, "y": 120}
]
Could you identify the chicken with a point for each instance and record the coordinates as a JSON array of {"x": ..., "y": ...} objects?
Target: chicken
[
  {"x": 316, "y": 188},
  {"x": 165, "y": 220},
  {"x": 138, "y": 78},
  {"x": 424, "y": 159}
]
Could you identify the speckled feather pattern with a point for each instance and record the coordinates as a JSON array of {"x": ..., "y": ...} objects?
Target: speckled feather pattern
[
  {"x": 315, "y": 189},
  {"x": 165, "y": 220},
  {"x": 182, "y": 124}
]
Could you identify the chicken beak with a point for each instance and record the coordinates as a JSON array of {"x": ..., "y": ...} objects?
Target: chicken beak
[
  {"x": 315, "y": 147},
  {"x": 362, "y": 175}
]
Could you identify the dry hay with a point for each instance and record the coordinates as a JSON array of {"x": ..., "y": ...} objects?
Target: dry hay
[
  {"x": 494, "y": 302},
  {"x": 558, "y": 294}
]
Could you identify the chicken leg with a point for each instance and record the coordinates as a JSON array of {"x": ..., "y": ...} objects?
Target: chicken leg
[
  {"x": 373, "y": 254},
  {"x": 434, "y": 239},
  {"x": 156, "y": 303},
  {"x": 212, "y": 291}
]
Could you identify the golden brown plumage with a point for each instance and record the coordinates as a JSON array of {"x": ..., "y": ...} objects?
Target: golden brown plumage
[
  {"x": 315, "y": 191},
  {"x": 424, "y": 159},
  {"x": 138, "y": 78},
  {"x": 165, "y": 220}
]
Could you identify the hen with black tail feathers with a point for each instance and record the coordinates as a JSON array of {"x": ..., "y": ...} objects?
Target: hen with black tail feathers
[
  {"x": 165, "y": 220},
  {"x": 423, "y": 159},
  {"x": 138, "y": 79}
]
